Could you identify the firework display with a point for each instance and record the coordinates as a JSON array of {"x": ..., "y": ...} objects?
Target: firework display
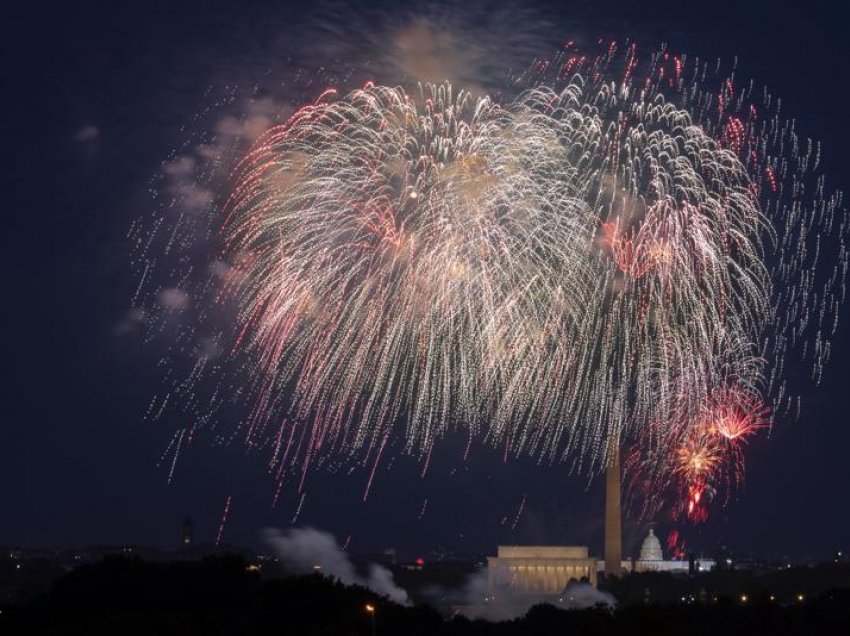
[{"x": 617, "y": 255}]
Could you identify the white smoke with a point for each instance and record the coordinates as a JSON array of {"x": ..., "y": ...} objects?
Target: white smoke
[
  {"x": 476, "y": 600},
  {"x": 303, "y": 549},
  {"x": 173, "y": 299},
  {"x": 87, "y": 134},
  {"x": 472, "y": 45}
]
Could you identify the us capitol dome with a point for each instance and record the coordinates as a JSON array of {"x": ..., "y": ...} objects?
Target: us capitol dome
[
  {"x": 651, "y": 548},
  {"x": 651, "y": 559}
]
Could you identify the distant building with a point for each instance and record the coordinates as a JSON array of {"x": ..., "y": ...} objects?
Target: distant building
[
  {"x": 651, "y": 559},
  {"x": 539, "y": 570}
]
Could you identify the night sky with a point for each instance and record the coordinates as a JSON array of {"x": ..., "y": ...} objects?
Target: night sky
[{"x": 96, "y": 99}]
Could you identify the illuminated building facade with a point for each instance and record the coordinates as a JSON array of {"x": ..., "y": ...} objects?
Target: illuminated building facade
[
  {"x": 651, "y": 559},
  {"x": 539, "y": 570}
]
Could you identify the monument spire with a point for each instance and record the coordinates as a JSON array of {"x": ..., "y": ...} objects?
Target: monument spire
[{"x": 613, "y": 522}]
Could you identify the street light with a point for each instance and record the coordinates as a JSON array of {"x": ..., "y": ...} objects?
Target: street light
[{"x": 371, "y": 609}]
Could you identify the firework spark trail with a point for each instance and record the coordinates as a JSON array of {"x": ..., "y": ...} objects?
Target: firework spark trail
[
  {"x": 519, "y": 513},
  {"x": 175, "y": 442},
  {"x": 221, "y": 525},
  {"x": 298, "y": 508},
  {"x": 604, "y": 259}
]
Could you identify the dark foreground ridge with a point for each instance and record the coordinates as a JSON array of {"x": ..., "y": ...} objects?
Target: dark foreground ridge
[{"x": 226, "y": 595}]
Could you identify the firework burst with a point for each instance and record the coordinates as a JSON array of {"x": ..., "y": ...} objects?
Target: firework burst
[{"x": 617, "y": 255}]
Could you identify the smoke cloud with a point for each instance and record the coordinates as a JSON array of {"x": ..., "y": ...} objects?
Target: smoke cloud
[
  {"x": 304, "y": 548},
  {"x": 475, "y": 599}
]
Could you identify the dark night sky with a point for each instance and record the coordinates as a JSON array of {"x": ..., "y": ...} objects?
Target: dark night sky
[{"x": 78, "y": 466}]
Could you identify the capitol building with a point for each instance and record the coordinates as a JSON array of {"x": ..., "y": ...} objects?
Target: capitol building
[{"x": 651, "y": 559}]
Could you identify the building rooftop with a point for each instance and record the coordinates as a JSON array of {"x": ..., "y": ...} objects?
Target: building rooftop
[{"x": 542, "y": 552}]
